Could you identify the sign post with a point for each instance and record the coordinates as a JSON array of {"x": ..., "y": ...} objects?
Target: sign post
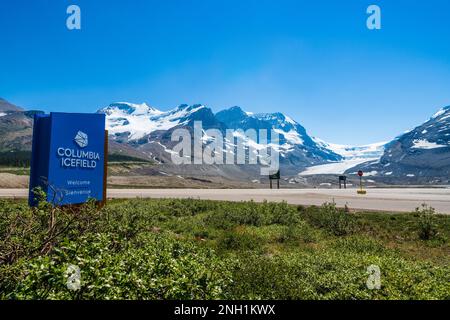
[
  {"x": 342, "y": 179},
  {"x": 275, "y": 176},
  {"x": 105, "y": 169},
  {"x": 69, "y": 158},
  {"x": 361, "y": 190}
]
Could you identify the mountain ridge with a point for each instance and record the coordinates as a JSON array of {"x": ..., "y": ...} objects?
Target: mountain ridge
[
  {"x": 6, "y": 106},
  {"x": 143, "y": 131},
  {"x": 296, "y": 147},
  {"x": 418, "y": 153}
]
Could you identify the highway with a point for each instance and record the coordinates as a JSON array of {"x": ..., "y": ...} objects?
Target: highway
[{"x": 393, "y": 200}]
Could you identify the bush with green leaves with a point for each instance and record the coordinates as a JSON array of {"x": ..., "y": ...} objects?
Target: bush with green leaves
[
  {"x": 253, "y": 214},
  {"x": 26, "y": 232},
  {"x": 153, "y": 266},
  {"x": 333, "y": 219},
  {"x": 194, "y": 249},
  {"x": 427, "y": 223},
  {"x": 239, "y": 240},
  {"x": 333, "y": 274},
  {"x": 301, "y": 231}
]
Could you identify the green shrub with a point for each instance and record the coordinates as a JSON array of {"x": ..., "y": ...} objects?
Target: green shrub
[
  {"x": 150, "y": 249},
  {"x": 26, "y": 232},
  {"x": 153, "y": 267},
  {"x": 253, "y": 214},
  {"x": 239, "y": 240},
  {"x": 299, "y": 232},
  {"x": 332, "y": 274},
  {"x": 336, "y": 221},
  {"x": 427, "y": 222},
  {"x": 359, "y": 245}
]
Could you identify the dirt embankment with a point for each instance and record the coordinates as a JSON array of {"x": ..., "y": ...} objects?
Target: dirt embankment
[
  {"x": 9, "y": 180},
  {"x": 13, "y": 181}
]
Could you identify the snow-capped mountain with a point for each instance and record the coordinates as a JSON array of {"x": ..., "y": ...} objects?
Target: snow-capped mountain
[
  {"x": 135, "y": 121},
  {"x": 423, "y": 152},
  {"x": 149, "y": 129},
  {"x": 297, "y": 148}
]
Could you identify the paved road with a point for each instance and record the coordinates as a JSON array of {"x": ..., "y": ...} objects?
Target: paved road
[{"x": 400, "y": 200}]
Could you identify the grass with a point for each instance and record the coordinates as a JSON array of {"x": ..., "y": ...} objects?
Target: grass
[{"x": 195, "y": 249}]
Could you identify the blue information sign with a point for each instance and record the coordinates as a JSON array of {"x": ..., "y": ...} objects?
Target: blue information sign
[{"x": 68, "y": 157}]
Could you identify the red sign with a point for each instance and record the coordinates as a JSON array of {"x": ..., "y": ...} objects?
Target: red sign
[{"x": 360, "y": 173}]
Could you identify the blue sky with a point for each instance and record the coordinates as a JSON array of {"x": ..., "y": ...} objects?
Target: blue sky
[{"x": 313, "y": 60}]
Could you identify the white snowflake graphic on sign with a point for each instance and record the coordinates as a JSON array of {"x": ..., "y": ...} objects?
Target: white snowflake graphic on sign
[{"x": 81, "y": 139}]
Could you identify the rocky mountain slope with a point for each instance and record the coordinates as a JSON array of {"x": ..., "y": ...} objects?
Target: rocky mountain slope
[
  {"x": 15, "y": 127},
  {"x": 149, "y": 130},
  {"x": 422, "y": 154},
  {"x": 297, "y": 148},
  {"x": 7, "y": 107}
]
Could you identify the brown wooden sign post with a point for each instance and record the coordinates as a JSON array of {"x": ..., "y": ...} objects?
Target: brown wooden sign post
[{"x": 105, "y": 170}]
